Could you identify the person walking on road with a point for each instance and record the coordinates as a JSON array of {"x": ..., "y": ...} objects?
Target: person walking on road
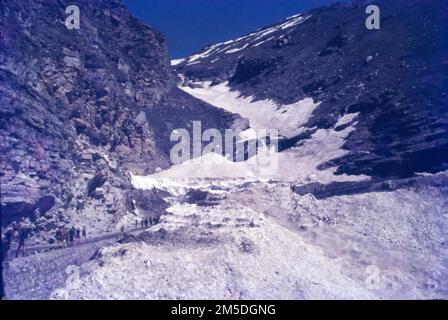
[
  {"x": 72, "y": 233},
  {"x": 60, "y": 236},
  {"x": 8, "y": 239},
  {"x": 22, "y": 238},
  {"x": 66, "y": 236},
  {"x": 77, "y": 235},
  {"x": 122, "y": 231},
  {"x": 84, "y": 233}
]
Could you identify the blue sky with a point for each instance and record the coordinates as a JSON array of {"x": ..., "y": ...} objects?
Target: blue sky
[{"x": 190, "y": 25}]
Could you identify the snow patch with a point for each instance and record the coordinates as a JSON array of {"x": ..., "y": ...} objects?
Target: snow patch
[
  {"x": 175, "y": 62},
  {"x": 252, "y": 37},
  {"x": 264, "y": 41},
  {"x": 347, "y": 118},
  {"x": 215, "y": 172},
  {"x": 237, "y": 49},
  {"x": 286, "y": 25},
  {"x": 264, "y": 114},
  {"x": 299, "y": 163}
]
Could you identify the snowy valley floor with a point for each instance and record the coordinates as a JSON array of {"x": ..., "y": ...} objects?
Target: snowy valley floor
[{"x": 259, "y": 240}]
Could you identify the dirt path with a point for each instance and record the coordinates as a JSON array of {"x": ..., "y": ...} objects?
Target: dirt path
[{"x": 35, "y": 249}]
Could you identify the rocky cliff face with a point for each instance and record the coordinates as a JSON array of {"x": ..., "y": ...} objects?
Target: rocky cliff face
[
  {"x": 80, "y": 109},
  {"x": 394, "y": 79}
]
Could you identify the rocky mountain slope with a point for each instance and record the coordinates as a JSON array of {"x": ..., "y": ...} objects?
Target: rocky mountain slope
[
  {"x": 391, "y": 82},
  {"x": 85, "y": 125},
  {"x": 80, "y": 109}
]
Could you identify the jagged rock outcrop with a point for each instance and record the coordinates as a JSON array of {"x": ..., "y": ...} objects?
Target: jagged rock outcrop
[{"x": 334, "y": 189}]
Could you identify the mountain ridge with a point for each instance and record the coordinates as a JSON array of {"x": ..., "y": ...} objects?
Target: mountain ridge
[{"x": 396, "y": 77}]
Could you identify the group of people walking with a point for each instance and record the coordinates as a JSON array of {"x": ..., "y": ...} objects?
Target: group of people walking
[
  {"x": 71, "y": 236},
  {"x": 65, "y": 237},
  {"x": 143, "y": 223},
  {"x": 146, "y": 222},
  {"x": 18, "y": 233}
]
